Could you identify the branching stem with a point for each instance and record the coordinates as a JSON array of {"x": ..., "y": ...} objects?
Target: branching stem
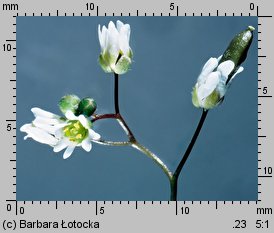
[{"x": 172, "y": 177}]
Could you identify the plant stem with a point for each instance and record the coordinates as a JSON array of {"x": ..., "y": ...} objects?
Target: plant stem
[
  {"x": 154, "y": 157},
  {"x": 174, "y": 179},
  {"x": 129, "y": 133},
  {"x": 116, "y": 93},
  {"x": 117, "y": 109},
  {"x": 112, "y": 143},
  {"x": 104, "y": 116},
  {"x": 173, "y": 188},
  {"x": 125, "y": 127},
  {"x": 132, "y": 140}
]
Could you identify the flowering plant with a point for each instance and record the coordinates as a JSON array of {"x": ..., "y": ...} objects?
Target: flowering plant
[{"x": 75, "y": 127}]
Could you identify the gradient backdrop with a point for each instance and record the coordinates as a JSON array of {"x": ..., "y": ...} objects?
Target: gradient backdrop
[{"x": 59, "y": 55}]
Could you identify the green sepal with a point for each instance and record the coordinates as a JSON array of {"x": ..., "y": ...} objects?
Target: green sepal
[
  {"x": 195, "y": 100},
  {"x": 104, "y": 64},
  {"x": 123, "y": 64},
  {"x": 87, "y": 107},
  {"x": 130, "y": 54},
  {"x": 212, "y": 100},
  {"x": 69, "y": 102}
]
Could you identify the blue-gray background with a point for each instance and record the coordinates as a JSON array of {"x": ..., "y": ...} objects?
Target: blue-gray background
[{"x": 59, "y": 55}]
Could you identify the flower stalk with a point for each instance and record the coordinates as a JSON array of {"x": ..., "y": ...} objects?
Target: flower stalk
[
  {"x": 174, "y": 179},
  {"x": 116, "y": 93}
]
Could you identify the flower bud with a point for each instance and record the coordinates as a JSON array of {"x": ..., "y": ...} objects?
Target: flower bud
[
  {"x": 69, "y": 102},
  {"x": 238, "y": 48},
  {"x": 116, "y": 54},
  {"x": 87, "y": 107},
  {"x": 218, "y": 73}
]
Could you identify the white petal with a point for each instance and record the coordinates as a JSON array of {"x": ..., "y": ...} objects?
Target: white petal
[
  {"x": 42, "y": 124},
  {"x": 111, "y": 26},
  {"x": 219, "y": 58},
  {"x": 209, "y": 86},
  {"x": 42, "y": 113},
  {"x": 60, "y": 146},
  {"x": 39, "y": 135},
  {"x": 68, "y": 151},
  {"x": 210, "y": 65},
  {"x": 119, "y": 25},
  {"x": 113, "y": 33},
  {"x": 47, "y": 128},
  {"x": 84, "y": 121},
  {"x": 100, "y": 36},
  {"x": 126, "y": 31},
  {"x": 86, "y": 145},
  {"x": 237, "y": 72},
  {"x": 226, "y": 68},
  {"x": 124, "y": 39},
  {"x": 49, "y": 121},
  {"x": 222, "y": 88},
  {"x": 104, "y": 38},
  {"x": 25, "y": 127},
  {"x": 70, "y": 115},
  {"x": 59, "y": 133},
  {"x": 113, "y": 40},
  {"x": 93, "y": 135}
]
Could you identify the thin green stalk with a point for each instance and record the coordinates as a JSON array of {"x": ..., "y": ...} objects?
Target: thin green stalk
[
  {"x": 174, "y": 179},
  {"x": 154, "y": 157},
  {"x": 112, "y": 143}
]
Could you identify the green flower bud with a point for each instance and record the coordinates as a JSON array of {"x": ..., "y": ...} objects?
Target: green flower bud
[
  {"x": 238, "y": 48},
  {"x": 69, "y": 102},
  {"x": 87, "y": 107}
]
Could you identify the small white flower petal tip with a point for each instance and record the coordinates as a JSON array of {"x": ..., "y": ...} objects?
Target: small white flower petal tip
[{"x": 68, "y": 152}]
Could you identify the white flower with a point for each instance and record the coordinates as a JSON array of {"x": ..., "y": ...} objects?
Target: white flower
[
  {"x": 61, "y": 133},
  {"x": 213, "y": 83},
  {"x": 116, "y": 53}
]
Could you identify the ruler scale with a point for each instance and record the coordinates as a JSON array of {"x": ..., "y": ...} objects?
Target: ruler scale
[{"x": 134, "y": 216}]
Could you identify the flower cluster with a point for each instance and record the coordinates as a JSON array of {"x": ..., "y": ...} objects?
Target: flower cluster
[
  {"x": 62, "y": 132},
  {"x": 75, "y": 128}
]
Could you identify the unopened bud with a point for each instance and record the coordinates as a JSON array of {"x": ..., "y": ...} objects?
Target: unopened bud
[
  {"x": 238, "y": 48},
  {"x": 87, "y": 107},
  {"x": 69, "y": 102}
]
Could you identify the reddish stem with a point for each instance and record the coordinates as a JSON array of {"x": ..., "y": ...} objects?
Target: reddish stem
[{"x": 105, "y": 116}]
